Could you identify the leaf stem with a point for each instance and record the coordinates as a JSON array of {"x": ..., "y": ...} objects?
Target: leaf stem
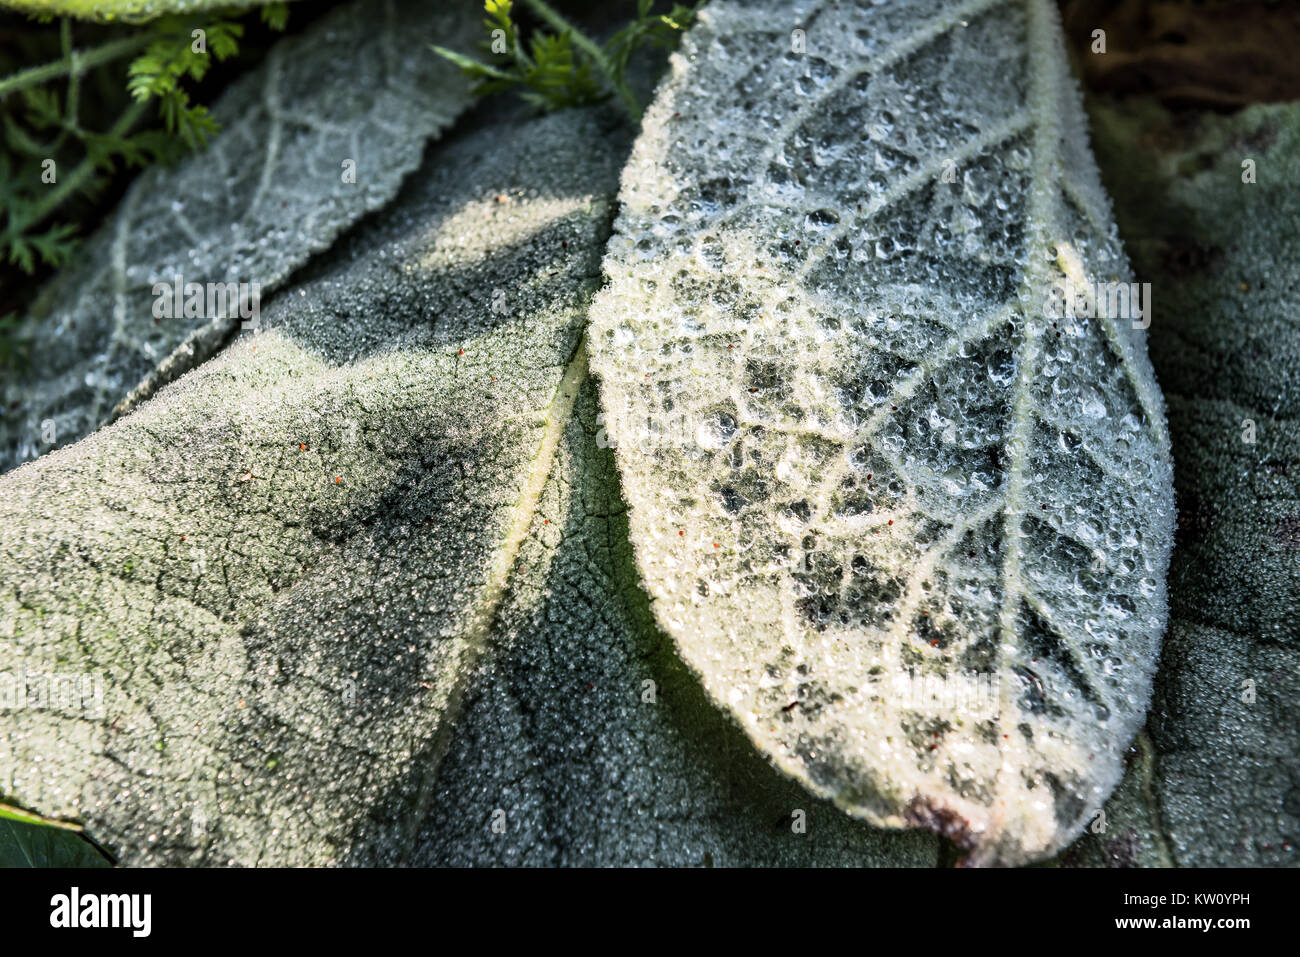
[
  {"x": 593, "y": 50},
  {"x": 74, "y": 63},
  {"x": 77, "y": 179}
]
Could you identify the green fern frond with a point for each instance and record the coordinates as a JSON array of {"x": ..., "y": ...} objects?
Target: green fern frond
[
  {"x": 43, "y": 133},
  {"x": 566, "y": 67}
]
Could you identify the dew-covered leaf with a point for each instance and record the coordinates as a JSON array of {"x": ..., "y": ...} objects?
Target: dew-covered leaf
[
  {"x": 320, "y": 134},
  {"x": 596, "y": 746},
  {"x": 909, "y": 528},
  {"x": 276, "y": 570},
  {"x": 283, "y": 568}
]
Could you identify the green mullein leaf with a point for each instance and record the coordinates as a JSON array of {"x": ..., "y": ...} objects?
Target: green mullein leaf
[
  {"x": 909, "y": 527},
  {"x": 365, "y": 442}
]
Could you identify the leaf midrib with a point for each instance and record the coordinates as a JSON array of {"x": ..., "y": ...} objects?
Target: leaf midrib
[{"x": 497, "y": 585}]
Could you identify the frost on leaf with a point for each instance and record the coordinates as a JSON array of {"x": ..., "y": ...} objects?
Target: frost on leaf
[
  {"x": 279, "y": 568},
  {"x": 583, "y": 727},
  {"x": 288, "y": 661},
  {"x": 267, "y": 193},
  {"x": 909, "y": 528}
]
